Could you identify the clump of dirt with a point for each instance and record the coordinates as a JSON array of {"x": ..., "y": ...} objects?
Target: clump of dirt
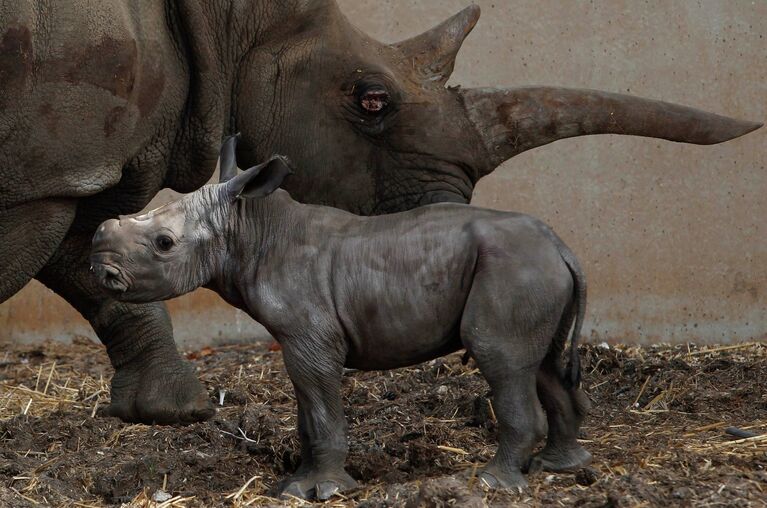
[{"x": 417, "y": 435}]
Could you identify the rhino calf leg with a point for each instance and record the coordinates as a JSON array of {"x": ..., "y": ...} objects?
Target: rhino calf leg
[
  {"x": 508, "y": 326},
  {"x": 316, "y": 377},
  {"x": 509, "y": 364},
  {"x": 565, "y": 409},
  {"x": 514, "y": 403},
  {"x": 151, "y": 383}
]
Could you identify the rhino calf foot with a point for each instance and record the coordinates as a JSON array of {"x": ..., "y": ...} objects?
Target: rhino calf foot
[
  {"x": 318, "y": 485},
  {"x": 154, "y": 392},
  {"x": 560, "y": 459}
]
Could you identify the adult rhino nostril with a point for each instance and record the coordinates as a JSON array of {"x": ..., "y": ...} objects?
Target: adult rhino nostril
[{"x": 111, "y": 271}]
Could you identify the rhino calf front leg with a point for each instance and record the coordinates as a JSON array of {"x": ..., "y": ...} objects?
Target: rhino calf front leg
[{"x": 316, "y": 376}]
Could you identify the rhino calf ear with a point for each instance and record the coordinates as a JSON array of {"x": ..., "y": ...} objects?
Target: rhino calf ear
[{"x": 260, "y": 181}]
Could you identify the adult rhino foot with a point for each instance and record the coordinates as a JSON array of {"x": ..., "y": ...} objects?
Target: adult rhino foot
[
  {"x": 560, "y": 459},
  {"x": 154, "y": 392},
  {"x": 317, "y": 485},
  {"x": 493, "y": 478}
]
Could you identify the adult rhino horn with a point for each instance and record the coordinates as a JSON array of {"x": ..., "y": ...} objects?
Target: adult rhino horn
[
  {"x": 433, "y": 53},
  {"x": 228, "y": 159},
  {"x": 513, "y": 120}
]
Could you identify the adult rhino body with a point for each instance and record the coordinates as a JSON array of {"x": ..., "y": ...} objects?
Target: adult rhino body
[{"x": 105, "y": 103}]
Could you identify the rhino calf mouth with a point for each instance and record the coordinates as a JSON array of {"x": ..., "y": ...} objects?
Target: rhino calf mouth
[{"x": 109, "y": 277}]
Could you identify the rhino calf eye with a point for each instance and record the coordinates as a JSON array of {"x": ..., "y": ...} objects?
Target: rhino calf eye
[
  {"x": 164, "y": 242},
  {"x": 374, "y": 101}
]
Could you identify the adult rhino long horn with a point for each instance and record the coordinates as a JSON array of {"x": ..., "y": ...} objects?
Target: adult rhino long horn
[
  {"x": 373, "y": 128},
  {"x": 514, "y": 120}
]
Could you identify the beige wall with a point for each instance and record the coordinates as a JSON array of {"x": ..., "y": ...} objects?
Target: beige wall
[{"x": 672, "y": 236}]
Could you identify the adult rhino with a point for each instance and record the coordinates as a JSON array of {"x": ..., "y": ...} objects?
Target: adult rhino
[{"x": 102, "y": 105}]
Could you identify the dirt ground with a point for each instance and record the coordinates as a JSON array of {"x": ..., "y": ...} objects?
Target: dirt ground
[{"x": 657, "y": 433}]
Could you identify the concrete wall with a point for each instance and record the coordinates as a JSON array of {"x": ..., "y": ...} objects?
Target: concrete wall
[{"x": 672, "y": 237}]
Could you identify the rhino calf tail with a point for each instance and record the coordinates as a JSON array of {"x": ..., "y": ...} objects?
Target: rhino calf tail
[{"x": 579, "y": 294}]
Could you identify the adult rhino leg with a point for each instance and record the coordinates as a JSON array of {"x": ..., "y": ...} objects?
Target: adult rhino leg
[
  {"x": 29, "y": 235},
  {"x": 152, "y": 383}
]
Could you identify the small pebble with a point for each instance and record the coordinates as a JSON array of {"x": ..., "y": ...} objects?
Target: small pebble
[
  {"x": 442, "y": 390},
  {"x": 160, "y": 496}
]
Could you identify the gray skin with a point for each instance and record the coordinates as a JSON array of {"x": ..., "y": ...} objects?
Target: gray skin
[
  {"x": 340, "y": 290},
  {"x": 100, "y": 111}
]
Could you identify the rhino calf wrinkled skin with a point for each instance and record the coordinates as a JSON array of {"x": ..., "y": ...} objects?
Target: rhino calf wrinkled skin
[{"x": 339, "y": 290}]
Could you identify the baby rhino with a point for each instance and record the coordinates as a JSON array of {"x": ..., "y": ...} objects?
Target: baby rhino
[{"x": 339, "y": 290}]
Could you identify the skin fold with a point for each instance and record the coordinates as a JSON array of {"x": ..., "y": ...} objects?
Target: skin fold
[
  {"x": 340, "y": 290},
  {"x": 99, "y": 112}
]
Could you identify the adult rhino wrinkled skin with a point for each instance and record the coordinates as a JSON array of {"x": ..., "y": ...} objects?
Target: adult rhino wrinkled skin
[{"x": 100, "y": 111}]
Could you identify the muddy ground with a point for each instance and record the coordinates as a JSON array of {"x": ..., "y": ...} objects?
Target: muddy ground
[{"x": 656, "y": 432}]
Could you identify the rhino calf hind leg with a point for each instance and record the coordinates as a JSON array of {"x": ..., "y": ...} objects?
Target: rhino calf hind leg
[
  {"x": 565, "y": 409},
  {"x": 316, "y": 376},
  {"x": 151, "y": 383},
  {"x": 514, "y": 399},
  {"x": 510, "y": 325},
  {"x": 508, "y": 346}
]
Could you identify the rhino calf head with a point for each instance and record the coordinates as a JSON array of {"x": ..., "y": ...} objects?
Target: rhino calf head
[{"x": 176, "y": 248}]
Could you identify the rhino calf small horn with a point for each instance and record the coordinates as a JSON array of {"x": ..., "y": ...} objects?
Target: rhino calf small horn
[{"x": 340, "y": 290}]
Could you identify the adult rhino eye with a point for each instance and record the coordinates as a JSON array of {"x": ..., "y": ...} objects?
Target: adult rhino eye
[
  {"x": 374, "y": 100},
  {"x": 164, "y": 242}
]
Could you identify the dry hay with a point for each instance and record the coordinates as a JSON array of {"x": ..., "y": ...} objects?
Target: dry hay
[{"x": 656, "y": 432}]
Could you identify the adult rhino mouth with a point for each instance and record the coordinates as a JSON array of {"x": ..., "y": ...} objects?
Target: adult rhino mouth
[
  {"x": 409, "y": 185},
  {"x": 109, "y": 276}
]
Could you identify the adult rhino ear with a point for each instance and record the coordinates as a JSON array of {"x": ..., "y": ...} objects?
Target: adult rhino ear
[
  {"x": 228, "y": 159},
  {"x": 260, "y": 181}
]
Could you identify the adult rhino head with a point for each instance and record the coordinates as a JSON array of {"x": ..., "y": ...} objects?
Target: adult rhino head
[{"x": 373, "y": 128}]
